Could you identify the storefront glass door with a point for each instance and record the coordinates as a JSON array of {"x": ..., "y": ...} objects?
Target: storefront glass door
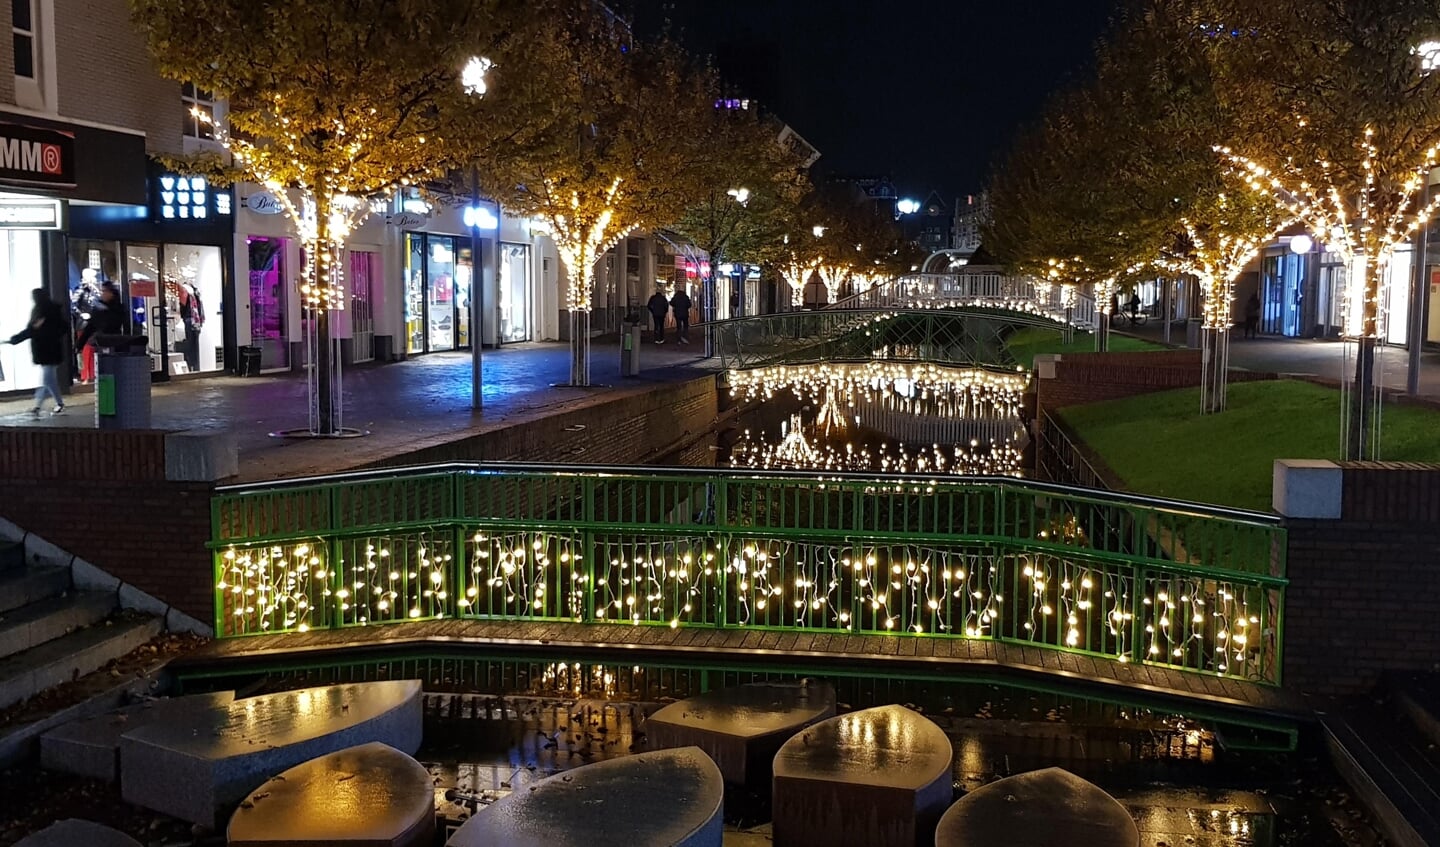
[
  {"x": 440, "y": 293},
  {"x": 1284, "y": 294},
  {"x": 464, "y": 290},
  {"x": 194, "y": 288},
  {"x": 364, "y": 270},
  {"x": 268, "y": 308},
  {"x": 514, "y": 291},
  {"x": 21, "y": 272},
  {"x": 147, "y": 306}
]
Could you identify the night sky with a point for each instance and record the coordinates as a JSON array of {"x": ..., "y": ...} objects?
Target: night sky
[{"x": 928, "y": 91}]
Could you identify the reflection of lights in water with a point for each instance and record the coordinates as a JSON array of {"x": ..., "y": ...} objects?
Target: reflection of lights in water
[
  {"x": 913, "y": 403},
  {"x": 797, "y": 451}
]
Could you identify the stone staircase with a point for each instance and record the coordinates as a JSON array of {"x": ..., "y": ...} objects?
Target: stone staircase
[
  {"x": 1387, "y": 747},
  {"x": 51, "y": 633}
]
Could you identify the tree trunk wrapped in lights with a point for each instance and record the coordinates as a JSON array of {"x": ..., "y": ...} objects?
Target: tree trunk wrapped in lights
[
  {"x": 341, "y": 134},
  {"x": 603, "y": 160},
  {"x": 1365, "y": 224},
  {"x": 1344, "y": 121},
  {"x": 1216, "y": 250}
]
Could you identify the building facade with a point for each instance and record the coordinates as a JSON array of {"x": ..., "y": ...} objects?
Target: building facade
[{"x": 82, "y": 205}]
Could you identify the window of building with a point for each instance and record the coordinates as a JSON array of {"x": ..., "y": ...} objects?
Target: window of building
[
  {"x": 23, "y": 27},
  {"x": 199, "y": 112}
]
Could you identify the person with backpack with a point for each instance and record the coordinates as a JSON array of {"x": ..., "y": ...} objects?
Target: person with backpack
[{"x": 46, "y": 332}]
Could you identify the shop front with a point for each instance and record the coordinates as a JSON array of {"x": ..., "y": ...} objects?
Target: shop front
[
  {"x": 438, "y": 275},
  {"x": 55, "y": 177},
  {"x": 1303, "y": 295},
  {"x": 172, "y": 267}
]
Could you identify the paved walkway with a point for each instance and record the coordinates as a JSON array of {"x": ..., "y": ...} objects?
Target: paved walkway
[
  {"x": 426, "y": 397},
  {"x": 1311, "y": 357}
]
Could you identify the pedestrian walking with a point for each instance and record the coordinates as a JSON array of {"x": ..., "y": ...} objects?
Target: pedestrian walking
[
  {"x": 680, "y": 304},
  {"x": 46, "y": 333},
  {"x": 1252, "y": 316},
  {"x": 658, "y": 306},
  {"x": 107, "y": 317}
]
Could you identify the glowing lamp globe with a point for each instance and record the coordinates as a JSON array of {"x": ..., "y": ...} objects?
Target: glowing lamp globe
[{"x": 1301, "y": 244}]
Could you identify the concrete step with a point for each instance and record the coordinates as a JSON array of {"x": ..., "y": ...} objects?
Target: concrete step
[
  {"x": 1387, "y": 764},
  {"x": 1417, "y": 697},
  {"x": 12, "y": 557},
  {"x": 48, "y": 619},
  {"x": 26, "y": 674},
  {"x": 30, "y": 586}
]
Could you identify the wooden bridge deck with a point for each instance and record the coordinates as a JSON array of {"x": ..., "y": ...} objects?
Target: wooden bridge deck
[{"x": 814, "y": 652}]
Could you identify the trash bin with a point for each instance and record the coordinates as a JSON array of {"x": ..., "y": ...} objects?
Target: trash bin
[
  {"x": 630, "y": 350},
  {"x": 1192, "y": 333},
  {"x": 122, "y": 382},
  {"x": 248, "y": 362}
]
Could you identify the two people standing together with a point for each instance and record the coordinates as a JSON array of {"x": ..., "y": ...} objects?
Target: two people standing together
[
  {"x": 659, "y": 307},
  {"x": 47, "y": 329}
]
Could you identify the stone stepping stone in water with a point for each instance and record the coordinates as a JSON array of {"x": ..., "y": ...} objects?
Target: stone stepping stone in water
[
  {"x": 1037, "y": 809},
  {"x": 371, "y": 795},
  {"x": 78, "y": 833},
  {"x": 91, "y": 747},
  {"x": 664, "y": 798},
  {"x": 743, "y": 727},
  {"x": 874, "y": 778},
  {"x": 198, "y": 767}
]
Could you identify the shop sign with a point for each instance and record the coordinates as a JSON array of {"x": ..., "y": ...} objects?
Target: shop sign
[
  {"x": 144, "y": 288},
  {"x": 31, "y": 214},
  {"x": 406, "y": 220},
  {"x": 263, "y": 203},
  {"x": 37, "y": 156}
]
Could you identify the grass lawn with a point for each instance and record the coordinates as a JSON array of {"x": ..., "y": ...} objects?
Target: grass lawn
[
  {"x": 1025, "y": 344},
  {"x": 1160, "y": 444}
]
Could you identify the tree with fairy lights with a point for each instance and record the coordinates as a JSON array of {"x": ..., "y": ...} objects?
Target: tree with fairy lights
[
  {"x": 1344, "y": 132},
  {"x": 617, "y": 150},
  {"x": 750, "y": 184},
  {"x": 1204, "y": 223},
  {"x": 334, "y": 106}
]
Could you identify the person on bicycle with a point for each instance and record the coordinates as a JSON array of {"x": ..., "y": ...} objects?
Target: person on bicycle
[{"x": 1134, "y": 308}]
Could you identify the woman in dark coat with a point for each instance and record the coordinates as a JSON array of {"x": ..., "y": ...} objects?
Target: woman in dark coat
[{"x": 46, "y": 332}]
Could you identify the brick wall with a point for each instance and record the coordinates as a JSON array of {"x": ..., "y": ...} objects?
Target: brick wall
[
  {"x": 1364, "y": 595},
  {"x": 1092, "y": 377},
  {"x": 104, "y": 74},
  {"x": 626, "y": 430},
  {"x": 103, "y": 496}
]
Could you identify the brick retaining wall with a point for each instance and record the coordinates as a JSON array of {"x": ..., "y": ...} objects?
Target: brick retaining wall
[
  {"x": 1364, "y": 594},
  {"x": 104, "y": 496}
]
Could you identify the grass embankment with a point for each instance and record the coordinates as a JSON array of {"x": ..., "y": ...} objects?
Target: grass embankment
[
  {"x": 1160, "y": 444},
  {"x": 1025, "y": 344}
]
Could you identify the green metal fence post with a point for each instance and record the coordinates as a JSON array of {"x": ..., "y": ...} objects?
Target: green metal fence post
[
  {"x": 459, "y": 561},
  {"x": 722, "y": 568},
  {"x": 332, "y": 547},
  {"x": 1137, "y": 612},
  {"x": 217, "y": 557},
  {"x": 587, "y": 544}
]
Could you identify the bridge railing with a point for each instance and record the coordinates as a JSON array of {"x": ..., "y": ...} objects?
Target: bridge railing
[
  {"x": 977, "y": 290},
  {"x": 1124, "y": 578}
]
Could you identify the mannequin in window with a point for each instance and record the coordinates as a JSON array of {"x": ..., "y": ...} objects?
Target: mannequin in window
[
  {"x": 84, "y": 300},
  {"x": 192, "y": 315}
]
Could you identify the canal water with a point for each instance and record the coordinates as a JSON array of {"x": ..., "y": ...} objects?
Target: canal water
[
  {"x": 497, "y": 726},
  {"x": 1178, "y": 782},
  {"x": 854, "y": 418}
]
